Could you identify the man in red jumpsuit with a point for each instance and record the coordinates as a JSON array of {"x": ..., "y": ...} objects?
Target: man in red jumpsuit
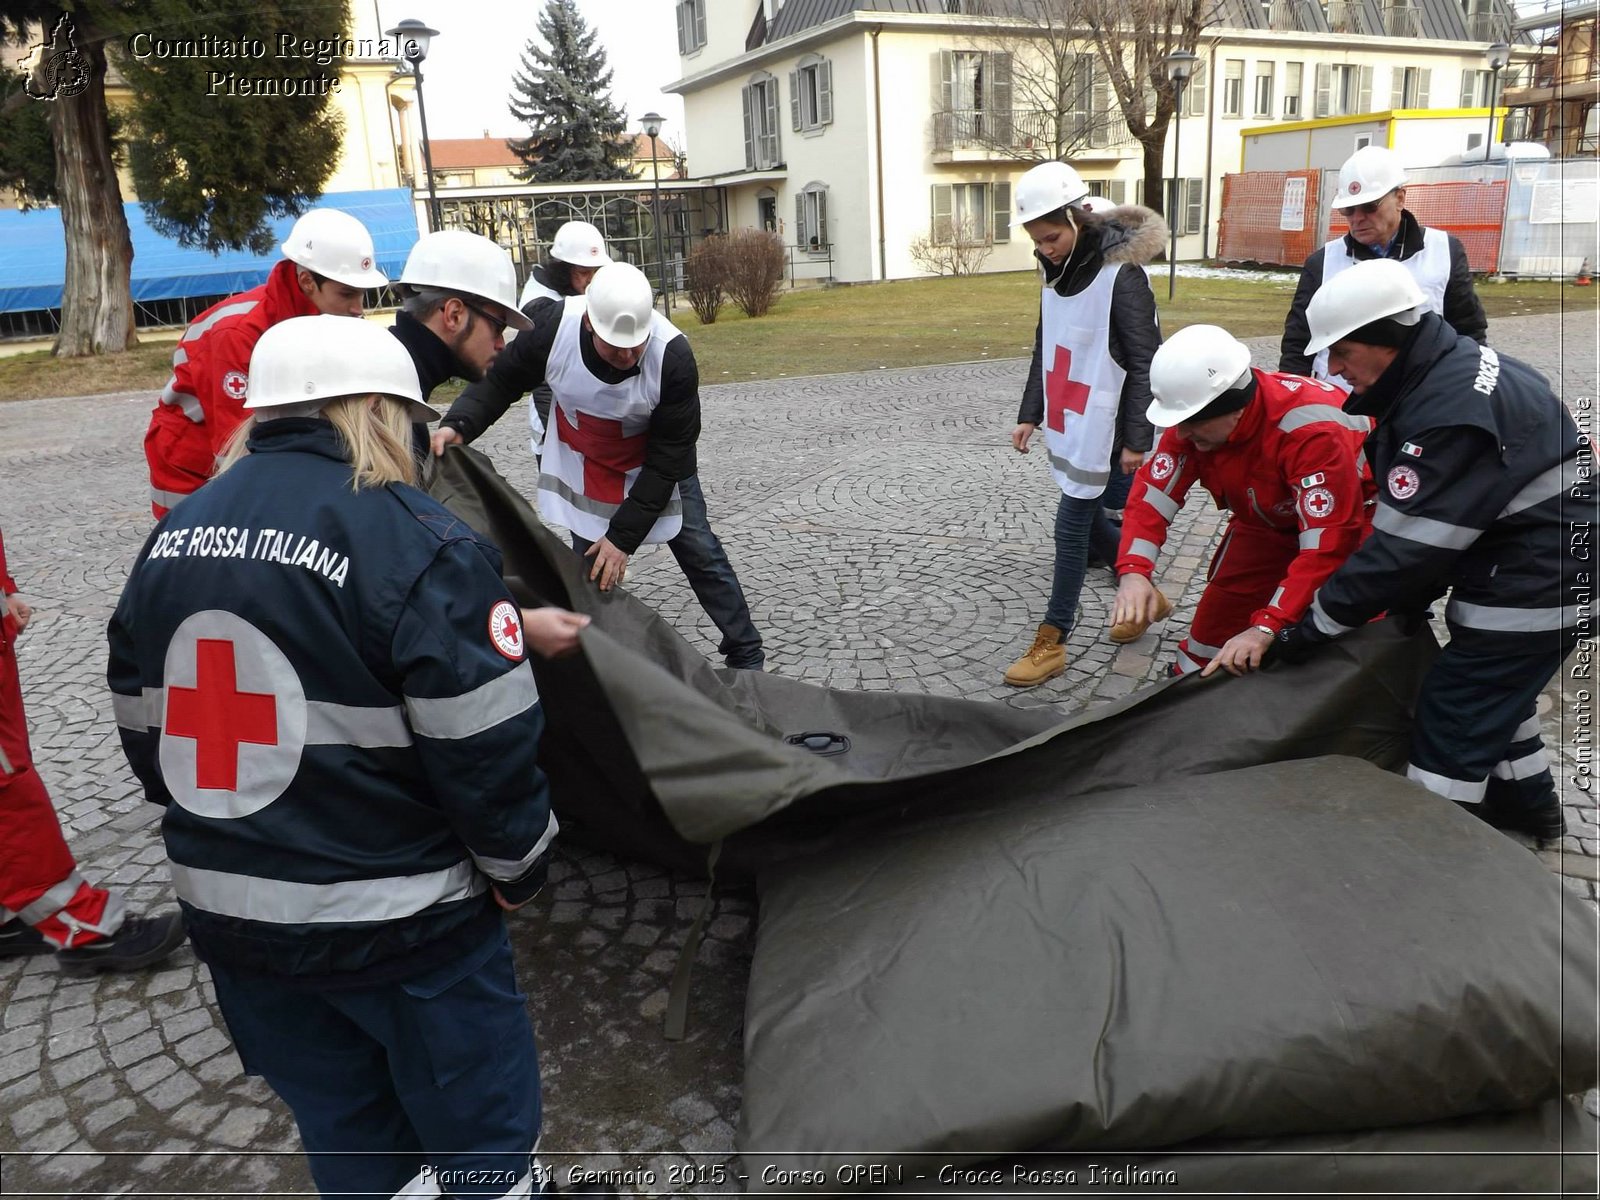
[
  {"x": 1282, "y": 457},
  {"x": 45, "y": 905},
  {"x": 328, "y": 262}
]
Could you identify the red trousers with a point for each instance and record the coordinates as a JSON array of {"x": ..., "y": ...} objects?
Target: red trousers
[
  {"x": 39, "y": 880},
  {"x": 1246, "y": 569}
]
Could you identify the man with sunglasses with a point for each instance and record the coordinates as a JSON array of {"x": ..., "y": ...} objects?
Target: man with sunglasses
[
  {"x": 1372, "y": 197},
  {"x": 461, "y": 292}
]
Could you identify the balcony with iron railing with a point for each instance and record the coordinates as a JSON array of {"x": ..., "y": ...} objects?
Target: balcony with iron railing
[
  {"x": 1012, "y": 133},
  {"x": 1402, "y": 20},
  {"x": 1291, "y": 16},
  {"x": 1489, "y": 24},
  {"x": 1348, "y": 18}
]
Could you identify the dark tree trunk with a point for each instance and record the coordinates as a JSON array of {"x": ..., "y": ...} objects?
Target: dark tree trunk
[
  {"x": 97, "y": 304},
  {"x": 1154, "y": 143}
]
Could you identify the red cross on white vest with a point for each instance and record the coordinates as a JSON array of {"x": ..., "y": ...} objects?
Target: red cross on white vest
[
  {"x": 1062, "y": 393},
  {"x": 219, "y": 717}
]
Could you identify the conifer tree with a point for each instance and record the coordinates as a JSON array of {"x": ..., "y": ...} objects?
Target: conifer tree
[{"x": 576, "y": 132}]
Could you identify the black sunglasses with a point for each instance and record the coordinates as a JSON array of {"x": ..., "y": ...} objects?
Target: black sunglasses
[{"x": 495, "y": 323}]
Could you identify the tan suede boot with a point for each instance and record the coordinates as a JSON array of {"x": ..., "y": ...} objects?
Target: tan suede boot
[
  {"x": 1132, "y": 631},
  {"x": 1045, "y": 659}
]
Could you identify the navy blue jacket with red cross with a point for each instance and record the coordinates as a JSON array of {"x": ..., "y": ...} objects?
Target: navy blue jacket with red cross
[{"x": 329, "y": 692}]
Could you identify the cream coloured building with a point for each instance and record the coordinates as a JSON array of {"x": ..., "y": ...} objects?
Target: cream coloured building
[{"x": 855, "y": 126}]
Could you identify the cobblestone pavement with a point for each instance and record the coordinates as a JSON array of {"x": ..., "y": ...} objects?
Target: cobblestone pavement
[{"x": 888, "y": 539}]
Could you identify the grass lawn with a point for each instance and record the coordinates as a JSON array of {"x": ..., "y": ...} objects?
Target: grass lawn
[{"x": 909, "y": 323}]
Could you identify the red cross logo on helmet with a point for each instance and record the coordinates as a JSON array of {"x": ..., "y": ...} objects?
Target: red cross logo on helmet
[{"x": 1355, "y": 187}]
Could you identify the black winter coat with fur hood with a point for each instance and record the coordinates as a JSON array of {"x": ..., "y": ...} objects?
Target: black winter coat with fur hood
[{"x": 1130, "y": 235}]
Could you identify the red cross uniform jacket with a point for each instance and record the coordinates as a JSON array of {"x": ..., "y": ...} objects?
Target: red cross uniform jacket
[
  {"x": 1293, "y": 469},
  {"x": 203, "y": 402},
  {"x": 328, "y": 690}
]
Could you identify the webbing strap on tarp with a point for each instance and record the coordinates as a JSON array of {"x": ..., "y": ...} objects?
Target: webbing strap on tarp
[{"x": 678, "y": 997}]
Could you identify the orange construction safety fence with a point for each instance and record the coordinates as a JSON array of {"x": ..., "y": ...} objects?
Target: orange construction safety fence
[{"x": 1279, "y": 217}]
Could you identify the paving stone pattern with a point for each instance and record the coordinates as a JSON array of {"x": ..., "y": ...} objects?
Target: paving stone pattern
[{"x": 888, "y": 538}]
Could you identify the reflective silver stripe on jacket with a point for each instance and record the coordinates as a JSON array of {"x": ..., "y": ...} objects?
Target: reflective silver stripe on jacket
[
  {"x": 168, "y": 499},
  {"x": 52, "y": 901},
  {"x": 1311, "y": 539},
  {"x": 1546, "y": 485},
  {"x": 1187, "y": 664},
  {"x": 1277, "y": 598},
  {"x": 1077, "y": 474},
  {"x": 1144, "y": 548},
  {"x": 1424, "y": 529},
  {"x": 282, "y": 902},
  {"x": 515, "y": 868},
  {"x": 1525, "y": 767},
  {"x": 1162, "y": 503},
  {"x": 1312, "y": 414},
  {"x": 1200, "y": 648},
  {"x": 1528, "y": 729},
  {"x": 599, "y": 508},
  {"x": 1464, "y": 790},
  {"x": 227, "y": 310},
  {"x": 170, "y": 395},
  {"x": 482, "y": 708},
  {"x": 327, "y": 724},
  {"x": 1512, "y": 620},
  {"x": 1324, "y": 622}
]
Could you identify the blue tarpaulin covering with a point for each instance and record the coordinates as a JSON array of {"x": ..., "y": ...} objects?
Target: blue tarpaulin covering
[{"x": 33, "y": 252}]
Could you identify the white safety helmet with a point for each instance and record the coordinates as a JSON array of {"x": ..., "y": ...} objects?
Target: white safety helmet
[
  {"x": 307, "y": 360},
  {"x": 621, "y": 305},
  {"x": 454, "y": 260},
  {"x": 579, "y": 243},
  {"x": 336, "y": 245},
  {"x": 1369, "y": 174},
  {"x": 1359, "y": 295},
  {"x": 1191, "y": 369},
  {"x": 1045, "y": 188}
]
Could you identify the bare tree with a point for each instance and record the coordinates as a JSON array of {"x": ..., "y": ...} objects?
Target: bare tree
[
  {"x": 1047, "y": 94},
  {"x": 959, "y": 249},
  {"x": 1135, "y": 38}
]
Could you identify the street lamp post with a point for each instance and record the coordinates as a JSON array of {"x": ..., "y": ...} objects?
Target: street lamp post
[
  {"x": 1498, "y": 55},
  {"x": 1180, "y": 65},
  {"x": 413, "y": 38},
  {"x": 652, "y": 122}
]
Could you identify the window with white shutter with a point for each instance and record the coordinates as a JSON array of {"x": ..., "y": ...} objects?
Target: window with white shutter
[
  {"x": 1265, "y": 72},
  {"x": 762, "y": 149},
  {"x": 691, "y": 25},
  {"x": 811, "y": 218},
  {"x": 1294, "y": 75},
  {"x": 1233, "y": 87},
  {"x": 1194, "y": 92},
  {"x": 811, "y": 94},
  {"x": 1409, "y": 87}
]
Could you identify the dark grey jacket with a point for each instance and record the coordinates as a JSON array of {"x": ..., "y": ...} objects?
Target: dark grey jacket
[{"x": 1485, "y": 487}]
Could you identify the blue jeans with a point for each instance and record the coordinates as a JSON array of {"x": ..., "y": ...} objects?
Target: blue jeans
[
  {"x": 1105, "y": 536},
  {"x": 1075, "y": 518},
  {"x": 438, "y": 1070},
  {"x": 705, "y": 565}
]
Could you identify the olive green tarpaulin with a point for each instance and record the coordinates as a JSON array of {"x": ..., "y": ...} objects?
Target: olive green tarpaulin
[{"x": 1198, "y": 915}]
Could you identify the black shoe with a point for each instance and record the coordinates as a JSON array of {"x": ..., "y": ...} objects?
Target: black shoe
[
  {"x": 18, "y": 939},
  {"x": 140, "y": 942},
  {"x": 1544, "y": 821}
]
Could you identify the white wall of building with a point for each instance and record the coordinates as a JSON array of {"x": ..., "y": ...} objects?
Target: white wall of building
[{"x": 844, "y": 154}]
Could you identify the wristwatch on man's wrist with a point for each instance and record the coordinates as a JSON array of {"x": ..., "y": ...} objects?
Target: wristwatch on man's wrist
[{"x": 1266, "y": 629}]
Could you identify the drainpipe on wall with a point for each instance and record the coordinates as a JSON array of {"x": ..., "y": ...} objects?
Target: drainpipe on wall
[
  {"x": 1211, "y": 118},
  {"x": 877, "y": 129}
]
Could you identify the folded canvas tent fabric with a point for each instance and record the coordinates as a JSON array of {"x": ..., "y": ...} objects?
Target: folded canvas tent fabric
[
  {"x": 655, "y": 754},
  {"x": 984, "y": 932},
  {"x": 1301, "y": 947}
]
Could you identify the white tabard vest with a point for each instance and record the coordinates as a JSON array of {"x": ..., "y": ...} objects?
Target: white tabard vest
[
  {"x": 1430, "y": 267},
  {"x": 608, "y": 420},
  {"x": 534, "y": 290},
  {"x": 1082, "y": 384}
]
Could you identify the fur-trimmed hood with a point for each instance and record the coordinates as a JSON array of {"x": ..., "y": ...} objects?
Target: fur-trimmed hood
[{"x": 1129, "y": 233}]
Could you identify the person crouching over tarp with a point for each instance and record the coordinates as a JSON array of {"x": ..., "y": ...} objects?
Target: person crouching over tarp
[
  {"x": 618, "y": 466},
  {"x": 1280, "y": 455},
  {"x": 1089, "y": 381},
  {"x": 320, "y": 674},
  {"x": 576, "y": 253},
  {"x": 1488, "y": 492}
]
